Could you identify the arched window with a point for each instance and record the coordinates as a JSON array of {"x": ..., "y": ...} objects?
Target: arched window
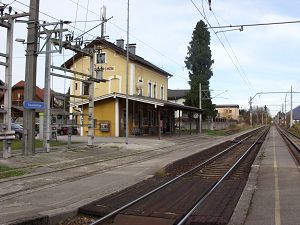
[
  {"x": 154, "y": 90},
  {"x": 149, "y": 88},
  {"x": 162, "y": 92}
]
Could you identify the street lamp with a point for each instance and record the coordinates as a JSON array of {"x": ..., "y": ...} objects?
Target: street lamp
[{"x": 20, "y": 40}]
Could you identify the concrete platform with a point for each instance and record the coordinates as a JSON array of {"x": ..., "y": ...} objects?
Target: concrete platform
[
  {"x": 56, "y": 197},
  {"x": 273, "y": 190}
]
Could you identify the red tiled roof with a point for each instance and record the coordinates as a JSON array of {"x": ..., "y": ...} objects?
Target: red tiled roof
[{"x": 38, "y": 91}]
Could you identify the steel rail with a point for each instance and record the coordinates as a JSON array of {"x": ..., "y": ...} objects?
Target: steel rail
[
  {"x": 88, "y": 163},
  {"x": 285, "y": 130},
  {"x": 283, "y": 134},
  {"x": 84, "y": 164},
  {"x": 194, "y": 169},
  {"x": 289, "y": 140},
  {"x": 187, "y": 215}
]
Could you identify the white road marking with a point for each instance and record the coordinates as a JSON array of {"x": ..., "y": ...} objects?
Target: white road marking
[{"x": 277, "y": 197}]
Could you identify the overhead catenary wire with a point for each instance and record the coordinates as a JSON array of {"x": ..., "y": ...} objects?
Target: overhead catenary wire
[
  {"x": 86, "y": 15},
  {"x": 94, "y": 36},
  {"x": 235, "y": 56},
  {"x": 221, "y": 42},
  {"x": 256, "y": 24},
  {"x": 76, "y": 14},
  {"x": 52, "y": 17},
  {"x": 248, "y": 83},
  {"x": 131, "y": 35}
]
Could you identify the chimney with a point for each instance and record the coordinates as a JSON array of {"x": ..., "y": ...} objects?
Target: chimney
[
  {"x": 120, "y": 43},
  {"x": 132, "y": 48}
]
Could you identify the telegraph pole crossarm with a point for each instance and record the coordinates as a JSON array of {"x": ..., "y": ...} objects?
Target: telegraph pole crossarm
[
  {"x": 7, "y": 22},
  {"x": 272, "y": 92},
  {"x": 58, "y": 36}
]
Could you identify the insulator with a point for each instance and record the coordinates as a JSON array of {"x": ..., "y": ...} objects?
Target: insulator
[{"x": 9, "y": 9}]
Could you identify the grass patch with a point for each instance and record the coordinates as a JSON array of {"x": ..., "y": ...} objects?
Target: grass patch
[
  {"x": 18, "y": 144},
  {"x": 295, "y": 129},
  {"x": 6, "y": 172},
  {"x": 232, "y": 129},
  {"x": 160, "y": 173},
  {"x": 216, "y": 132}
]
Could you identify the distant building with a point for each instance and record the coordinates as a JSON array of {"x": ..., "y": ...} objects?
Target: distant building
[
  {"x": 17, "y": 99},
  {"x": 229, "y": 112},
  {"x": 178, "y": 97}
]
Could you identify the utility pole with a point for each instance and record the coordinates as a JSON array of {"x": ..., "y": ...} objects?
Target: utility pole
[
  {"x": 262, "y": 117},
  {"x": 47, "y": 95},
  {"x": 281, "y": 113},
  {"x": 285, "y": 110},
  {"x": 127, "y": 71},
  {"x": 256, "y": 115},
  {"x": 30, "y": 78},
  {"x": 58, "y": 36},
  {"x": 8, "y": 83},
  {"x": 291, "y": 114},
  {"x": 104, "y": 20},
  {"x": 7, "y": 21},
  {"x": 200, "y": 107},
  {"x": 250, "y": 102},
  {"x": 91, "y": 103}
]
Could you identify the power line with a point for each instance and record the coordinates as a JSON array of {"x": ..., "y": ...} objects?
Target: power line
[
  {"x": 17, "y": 1},
  {"x": 233, "y": 52},
  {"x": 76, "y": 15},
  {"x": 131, "y": 35},
  {"x": 258, "y": 24},
  {"x": 236, "y": 67},
  {"x": 88, "y": 10}
]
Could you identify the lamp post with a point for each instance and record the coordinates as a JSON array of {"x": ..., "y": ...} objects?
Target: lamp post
[{"x": 127, "y": 70}]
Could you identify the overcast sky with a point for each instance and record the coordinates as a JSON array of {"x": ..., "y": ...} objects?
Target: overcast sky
[{"x": 258, "y": 59}]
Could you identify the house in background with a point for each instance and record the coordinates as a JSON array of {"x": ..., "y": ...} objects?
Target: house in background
[
  {"x": 18, "y": 99},
  {"x": 177, "y": 96},
  {"x": 228, "y": 112},
  {"x": 147, "y": 92}
]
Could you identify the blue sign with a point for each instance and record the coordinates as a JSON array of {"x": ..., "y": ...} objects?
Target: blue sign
[{"x": 33, "y": 105}]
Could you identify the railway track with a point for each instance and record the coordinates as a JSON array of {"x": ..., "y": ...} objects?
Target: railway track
[
  {"x": 56, "y": 173},
  {"x": 293, "y": 142},
  {"x": 205, "y": 194}
]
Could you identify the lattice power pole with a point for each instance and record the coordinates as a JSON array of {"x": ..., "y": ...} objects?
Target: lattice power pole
[
  {"x": 53, "y": 34},
  {"x": 7, "y": 21}
]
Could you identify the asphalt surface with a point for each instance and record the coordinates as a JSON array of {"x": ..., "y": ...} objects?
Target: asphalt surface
[
  {"x": 55, "y": 193},
  {"x": 271, "y": 195},
  {"x": 118, "y": 165}
]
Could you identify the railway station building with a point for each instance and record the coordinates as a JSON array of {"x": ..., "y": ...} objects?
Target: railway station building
[{"x": 149, "y": 109}]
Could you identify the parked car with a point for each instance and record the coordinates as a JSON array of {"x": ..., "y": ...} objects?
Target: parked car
[
  {"x": 18, "y": 128},
  {"x": 64, "y": 130}
]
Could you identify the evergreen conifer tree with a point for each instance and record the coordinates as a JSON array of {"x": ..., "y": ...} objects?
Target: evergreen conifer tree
[{"x": 198, "y": 61}]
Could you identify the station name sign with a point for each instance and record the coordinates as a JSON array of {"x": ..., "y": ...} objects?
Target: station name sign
[{"x": 33, "y": 105}]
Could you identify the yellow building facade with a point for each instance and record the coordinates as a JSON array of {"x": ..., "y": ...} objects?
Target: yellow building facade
[{"x": 147, "y": 91}]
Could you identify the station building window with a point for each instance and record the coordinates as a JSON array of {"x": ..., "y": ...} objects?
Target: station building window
[
  {"x": 149, "y": 89},
  {"x": 101, "y": 58}
]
